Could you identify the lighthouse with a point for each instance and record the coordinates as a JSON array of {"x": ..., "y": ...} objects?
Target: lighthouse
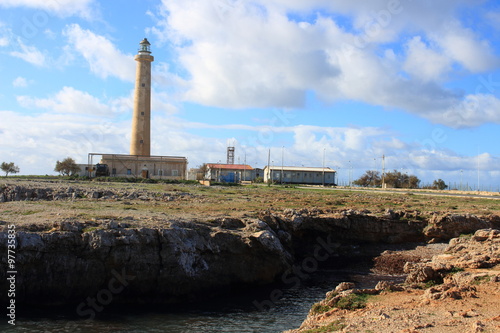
[
  {"x": 140, "y": 163},
  {"x": 140, "y": 143}
]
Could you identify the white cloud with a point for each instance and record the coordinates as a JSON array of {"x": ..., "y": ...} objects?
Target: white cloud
[
  {"x": 473, "y": 111},
  {"x": 64, "y": 8},
  {"x": 424, "y": 62},
  {"x": 50, "y": 34},
  {"x": 247, "y": 60},
  {"x": 68, "y": 101},
  {"x": 30, "y": 54},
  {"x": 4, "y": 41},
  {"x": 493, "y": 18},
  {"x": 463, "y": 46},
  {"x": 102, "y": 56},
  {"x": 255, "y": 54},
  {"x": 344, "y": 148},
  {"x": 58, "y": 136},
  {"x": 21, "y": 82}
]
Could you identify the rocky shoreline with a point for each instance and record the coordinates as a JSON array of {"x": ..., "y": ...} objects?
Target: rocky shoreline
[
  {"x": 139, "y": 259},
  {"x": 454, "y": 291},
  {"x": 68, "y": 260}
]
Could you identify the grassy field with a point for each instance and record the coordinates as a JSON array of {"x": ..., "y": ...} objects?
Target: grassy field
[{"x": 199, "y": 202}]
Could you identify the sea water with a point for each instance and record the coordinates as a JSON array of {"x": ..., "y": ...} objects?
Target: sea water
[{"x": 242, "y": 311}]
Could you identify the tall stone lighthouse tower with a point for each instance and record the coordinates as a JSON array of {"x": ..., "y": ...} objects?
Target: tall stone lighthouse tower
[{"x": 140, "y": 143}]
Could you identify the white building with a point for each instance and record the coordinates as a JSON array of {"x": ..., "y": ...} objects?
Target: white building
[
  {"x": 229, "y": 173},
  {"x": 300, "y": 175}
]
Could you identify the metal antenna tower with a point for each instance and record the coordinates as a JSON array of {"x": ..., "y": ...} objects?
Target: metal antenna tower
[{"x": 230, "y": 155}]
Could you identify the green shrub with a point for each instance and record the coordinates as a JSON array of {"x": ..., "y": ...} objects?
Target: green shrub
[
  {"x": 319, "y": 308},
  {"x": 480, "y": 279},
  {"x": 455, "y": 270},
  {"x": 352, "y": 302}
]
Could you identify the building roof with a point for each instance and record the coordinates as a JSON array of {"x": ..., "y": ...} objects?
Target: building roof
[
  {"x": 301, "y": 169},
  {"x": 229, "y": 166},
  {"x": 141, "y": 158}
]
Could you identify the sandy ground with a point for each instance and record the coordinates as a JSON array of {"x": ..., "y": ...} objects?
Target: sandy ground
[
  {"x": 471, "y": 307},
  {"x": 411, "y": 311}
]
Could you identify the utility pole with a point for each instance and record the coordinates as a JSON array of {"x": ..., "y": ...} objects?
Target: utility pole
[
  {"x": 478, "y": 168},
  {"x": 245, "y": 167},
  {"x": 461, "y": 173},
  {"x": 282, "y": 159},
  {"x": 324, "y": 149},
  {"x": 268, "y": 165},
  {"x": 350, "y": 173},
  {"x": 383, "y": 171}
]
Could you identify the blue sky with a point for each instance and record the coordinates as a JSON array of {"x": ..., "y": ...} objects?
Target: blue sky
[{"x": 415, "y": 81}]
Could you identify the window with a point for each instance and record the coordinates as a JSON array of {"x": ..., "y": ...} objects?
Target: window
[
  {"x": 175, "y": 173},
  {"x": 114, "y": 171},
  {"x": 143, "y": 84},
  {"x": 160, "y": 172},
  {"x": 129, "y": 171},
  {"x": 142, "y": 141},
  {"x": 142, "y": 113}
]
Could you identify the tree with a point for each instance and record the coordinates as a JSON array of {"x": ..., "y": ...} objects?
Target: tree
[
  {"x": 202, "y": 171},
  {"x": 369, "y": 178},
  {"x": 439, "y": 184},
  {"x": 9, "y": 168},
  {"x": 413, "y": 181},
  {"x": 67, "y": 167},
  {"x": 397, "y": 179}
]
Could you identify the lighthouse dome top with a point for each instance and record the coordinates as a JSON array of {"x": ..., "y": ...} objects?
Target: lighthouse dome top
[{"x": 144, "y": 46}]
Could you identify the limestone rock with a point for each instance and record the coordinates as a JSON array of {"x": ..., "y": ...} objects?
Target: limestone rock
[
  {"x": 344, "y": 286},
  {"x": 449, "y": 226},
  {"x": 166, "y": 265},
  {"x": 421, "y": 273}
]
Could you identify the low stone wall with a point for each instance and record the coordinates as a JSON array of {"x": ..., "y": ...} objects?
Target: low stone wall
[{"x": 65, "y": 192}]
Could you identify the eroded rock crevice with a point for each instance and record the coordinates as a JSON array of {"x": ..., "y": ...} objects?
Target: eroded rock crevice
[{"x": 181, "y": 260}]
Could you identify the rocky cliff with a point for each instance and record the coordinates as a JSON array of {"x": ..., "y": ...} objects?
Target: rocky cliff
[
  {"x": 168, "y": 264},
  {"x": 174, "y": 261}
]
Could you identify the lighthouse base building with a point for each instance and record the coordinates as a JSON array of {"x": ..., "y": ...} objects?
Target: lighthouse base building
[{"x": 136, "y": 166}]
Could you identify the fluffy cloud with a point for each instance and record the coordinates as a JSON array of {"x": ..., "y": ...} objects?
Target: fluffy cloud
[
  {"x": 259, "y": 61},
  {"x": 424, "y": 62},
  {"x": 30, "y": 54},
  {"x": 474, "y": 110},
  {"x": 62, "y": 8},
  {"x": 463, "y": 46},
  {"x": 4, "y": 41},
  {"x": 261, "y": 54},
  {"x": 57, "y": 136},
  {"x": 102, "y": 56},
  {"x": 71, "y": 101},
  {"x": 20, "y": 82},
  {"x": 493, "y": 18},
  {"x": 60, "y": 135}
]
